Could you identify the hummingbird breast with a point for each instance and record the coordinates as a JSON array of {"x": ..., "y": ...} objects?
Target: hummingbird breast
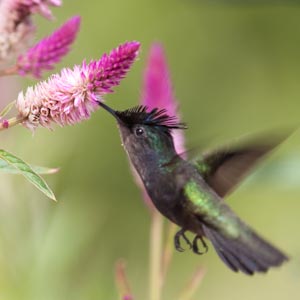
[{"x": 165, "y": 188}]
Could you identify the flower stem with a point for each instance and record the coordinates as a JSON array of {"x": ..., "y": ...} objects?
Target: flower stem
[
  {"x": 122, "y": 281},
  {"x": 155, "y": 255},
  {"x": 193, "y": 284},
  {"x": 168, "y": 251},
  {"x": 9, "y": 71},
  {"x": 5, "y": 124}
]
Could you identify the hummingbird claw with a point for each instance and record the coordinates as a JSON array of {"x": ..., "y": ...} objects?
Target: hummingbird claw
[
  {"x": 195, "y": 245},
  {"x": 178, "y": 235}
]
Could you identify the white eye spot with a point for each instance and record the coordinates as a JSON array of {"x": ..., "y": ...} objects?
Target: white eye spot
[{"x": 139, "y": 131}]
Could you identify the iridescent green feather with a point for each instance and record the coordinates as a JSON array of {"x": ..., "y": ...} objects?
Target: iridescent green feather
[
  {"x": 202, "y": 166},
  {"x": 210, "y": 210}
]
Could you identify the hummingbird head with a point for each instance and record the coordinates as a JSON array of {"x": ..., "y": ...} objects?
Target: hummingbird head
[{"x": 146, "y": 135}]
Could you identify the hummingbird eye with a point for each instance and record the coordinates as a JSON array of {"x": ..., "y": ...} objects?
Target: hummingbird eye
[{"x": 139, "y": 131}]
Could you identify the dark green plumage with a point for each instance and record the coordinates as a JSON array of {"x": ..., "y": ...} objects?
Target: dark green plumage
[{"x": 189, "y": 193}]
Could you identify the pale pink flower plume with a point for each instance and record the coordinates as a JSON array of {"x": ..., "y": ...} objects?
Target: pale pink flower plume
[
  {"x": 158, "y": 92},
  {"x": 16, "y": 27},
  {"x": 71, "y": 96},
  {"x": 49, "y": 50}
]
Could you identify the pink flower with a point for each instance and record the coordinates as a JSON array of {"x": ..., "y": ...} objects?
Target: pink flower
[
  {"x": 49, "y": 50},
  {"x": 16, "y": 27},
  {"x": 157, "y": 92},
  {"x": 5, "y": 123},
  {"x": 71, "y": 96},
  {"x": 38, "y": 6}
]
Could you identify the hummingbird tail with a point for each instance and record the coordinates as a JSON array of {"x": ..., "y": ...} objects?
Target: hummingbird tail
[{"x": 249, "y": 253}]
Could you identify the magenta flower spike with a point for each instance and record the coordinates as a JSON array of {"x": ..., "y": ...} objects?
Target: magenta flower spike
[
  {"x": 157, "y": 90},
  {"x": 71, "y": 96},
  {"x": 49, "y": 50}
]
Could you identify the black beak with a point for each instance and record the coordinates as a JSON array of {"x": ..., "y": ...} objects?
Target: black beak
[{"x": 109, "y": 109}]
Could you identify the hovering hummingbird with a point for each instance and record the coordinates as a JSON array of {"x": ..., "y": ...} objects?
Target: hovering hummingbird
[{"x": 190, "y": 193}]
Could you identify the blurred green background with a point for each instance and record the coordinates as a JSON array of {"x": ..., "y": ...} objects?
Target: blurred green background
[{"x": 235, "y": 69}]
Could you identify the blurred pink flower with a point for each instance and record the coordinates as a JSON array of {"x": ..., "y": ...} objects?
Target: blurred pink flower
[
  {"x": 37, "y": 6},
  {"x": 49, "y": 50},
  {"x": 157, "y": 92},
  {"x": 16, "y": 27},
  {"x": 71, "y": 96},
  {"x": 5, "y": 123}
]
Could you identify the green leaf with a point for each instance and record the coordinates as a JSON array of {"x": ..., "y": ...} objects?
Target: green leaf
[
  {"x": 7, "y": 108},
  {"x": 24, "y": 169},
  {"x": 6, "y": 168}
]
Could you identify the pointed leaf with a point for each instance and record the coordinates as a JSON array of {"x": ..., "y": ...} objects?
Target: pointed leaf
[
  {"x": 7, "y": 109},
  {"x": 27, "y": 172},
  {"x": 6, "y": 168}
]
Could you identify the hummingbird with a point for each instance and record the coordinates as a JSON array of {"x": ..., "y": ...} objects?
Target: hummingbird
[{"x": 190, "y": 193}]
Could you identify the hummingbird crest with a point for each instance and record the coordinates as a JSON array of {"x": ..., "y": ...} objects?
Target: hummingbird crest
[{"x": 156, "y": 117}]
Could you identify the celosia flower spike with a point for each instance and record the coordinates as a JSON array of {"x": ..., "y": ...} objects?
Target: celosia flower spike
[
  {"x": 71, "y": 96},
  {"x": 157, "y": 90},
  {"x": 49, "y": 50},
  {"x": 110, "y": 69}
]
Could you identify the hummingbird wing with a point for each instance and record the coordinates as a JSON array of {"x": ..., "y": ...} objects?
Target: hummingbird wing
[{"x": 223, "y": 169}]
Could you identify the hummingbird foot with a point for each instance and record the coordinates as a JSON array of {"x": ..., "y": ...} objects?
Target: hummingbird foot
[
  {"x": 177, "y": 243},
  {"x": 195, "y": 245}
]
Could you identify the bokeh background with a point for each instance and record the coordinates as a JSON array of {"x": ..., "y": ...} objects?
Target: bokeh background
[{"x": 236, "y": 70}]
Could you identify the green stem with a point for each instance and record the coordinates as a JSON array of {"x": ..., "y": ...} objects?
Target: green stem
[
  {"x": 155, "y": 255},
  {"x": 5, "y": 124}
]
